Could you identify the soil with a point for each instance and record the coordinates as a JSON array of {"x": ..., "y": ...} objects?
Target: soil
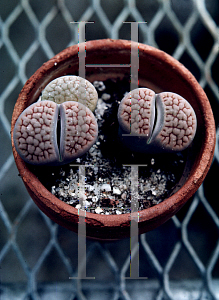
[{"x": 104, "y": 180}]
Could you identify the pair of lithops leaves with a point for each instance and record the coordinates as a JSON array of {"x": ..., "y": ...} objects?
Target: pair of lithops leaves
[
  {"x": 149, "y": 122},
  {"x": 61, "y": 126}
]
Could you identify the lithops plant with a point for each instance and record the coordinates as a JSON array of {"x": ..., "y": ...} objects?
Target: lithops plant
[
  {"x": 152, "y": 122},
  {"x": 37, "y": 130},
  {"x": 71, "y": 88},
  {"x": 136, "y": 113},
  {"x": 176, "y": 123},
  {"x": 79, "y": 130}
]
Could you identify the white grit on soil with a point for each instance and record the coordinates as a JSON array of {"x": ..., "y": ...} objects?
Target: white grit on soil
[{"x": 100, "y": 180}]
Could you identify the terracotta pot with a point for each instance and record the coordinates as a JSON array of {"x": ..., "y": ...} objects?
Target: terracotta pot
[{"x": 158, "y": 71}]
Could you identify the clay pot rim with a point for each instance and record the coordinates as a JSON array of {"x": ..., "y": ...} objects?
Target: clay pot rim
[{"x": 170, "y": 205}]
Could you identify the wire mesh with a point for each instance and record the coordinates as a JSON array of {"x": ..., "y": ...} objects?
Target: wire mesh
[{"x": 37, "y": 257}]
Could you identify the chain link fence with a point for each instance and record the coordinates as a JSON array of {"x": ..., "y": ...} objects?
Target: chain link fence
[{"x": 37, "y": 257}]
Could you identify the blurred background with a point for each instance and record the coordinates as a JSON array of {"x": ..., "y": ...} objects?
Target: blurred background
[{"x": 37, "y": 257}]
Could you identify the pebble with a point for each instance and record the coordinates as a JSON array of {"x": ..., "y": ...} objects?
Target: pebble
[
  {"x": 99, "y": 85},
  {"x": 95, "y": 199},
  {"x": 105, "y": 97},
  {"x": 98, "y": 210},
  {"x": 116, "y": 191},
  {"x": 106, "y": 187}
]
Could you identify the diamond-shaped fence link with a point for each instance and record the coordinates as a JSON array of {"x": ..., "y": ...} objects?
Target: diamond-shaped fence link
[{"x": 37, "y": 257}]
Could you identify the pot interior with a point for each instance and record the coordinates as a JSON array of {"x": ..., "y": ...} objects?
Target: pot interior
[
  {"x": 157, "y": 71},
  {"x": 154, "y": 72}
]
